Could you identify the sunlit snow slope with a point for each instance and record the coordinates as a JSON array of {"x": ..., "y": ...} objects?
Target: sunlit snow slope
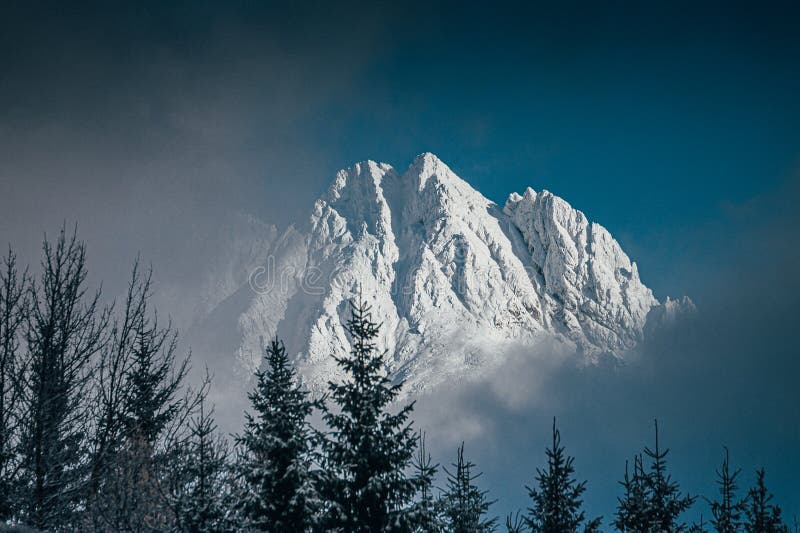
[{"x": 452, "y": 277}]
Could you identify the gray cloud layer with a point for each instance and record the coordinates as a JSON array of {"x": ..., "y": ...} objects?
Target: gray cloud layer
[{"x": 148, "y": 127}]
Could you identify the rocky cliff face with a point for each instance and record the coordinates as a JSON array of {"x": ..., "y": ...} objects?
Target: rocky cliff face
[{"x": 452, "y": 277}]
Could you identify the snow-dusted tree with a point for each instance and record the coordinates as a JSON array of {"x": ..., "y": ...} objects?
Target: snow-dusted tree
[
  {"x": 557, "y": 503},
  {"x": 726, "y": 511},
  {"x": 426, "y": 514},
  {"x": 665, "y": 501},
  {"x": 761, "y": 515},
  {"x": 13, "y": 295},
  {"x": 65, "y": 328},
  {"x": 201, "y": 496},
  {"x": 368, "y": 449},
  {"x": 276, "y": 450},
  {"x": 464, "y": 504},
  {"x": 632, "y": 508}
]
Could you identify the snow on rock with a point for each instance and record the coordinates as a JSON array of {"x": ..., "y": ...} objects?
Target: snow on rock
[
  {"x": 668, "y": 312},
  {"x": 450, "y": 275},
  {"x": 589, "y": 283}
]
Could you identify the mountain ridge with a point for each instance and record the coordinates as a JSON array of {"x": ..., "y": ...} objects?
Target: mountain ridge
[{"x": 452, "y": 276}]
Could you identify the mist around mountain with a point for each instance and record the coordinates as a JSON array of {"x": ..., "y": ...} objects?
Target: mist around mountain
[{"x": 456, "y": 280}]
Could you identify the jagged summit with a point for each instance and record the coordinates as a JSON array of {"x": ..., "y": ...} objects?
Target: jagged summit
[
  {"x": 449, "y": 274},
  {"x": 426, "y": 165}
]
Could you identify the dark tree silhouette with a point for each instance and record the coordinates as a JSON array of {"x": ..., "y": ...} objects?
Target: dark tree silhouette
[
  {"x": 652, "y": 501},
  {"x": 65, "y": 328},
  {"x": 557, "y": 503},
  {"x": 632, "y": 513},
  {"x": 368, "y": 449},
  {"x": 761, "y": 515},
  {"x": 142, "y": 410},
  {"x": 425, "y": 515},
  {"x": 112, "y": 386},
  {"x": 275, "y": 459},
  {"x": 202, "y": 498},
  {"x": 666, "y": 502},
  {"x": 726, "y": 511},
  {"x": 13, "y": 309},
  {"x": 465, "y": 505}
]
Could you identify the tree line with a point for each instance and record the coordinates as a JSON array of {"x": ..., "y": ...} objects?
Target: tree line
[{"x": 100, "y": 431}]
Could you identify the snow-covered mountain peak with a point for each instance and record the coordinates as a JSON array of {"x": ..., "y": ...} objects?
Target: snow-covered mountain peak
[
  {"x": 427, "y": 165},
  {"x": 450, "y": 275},
  {"x": 427, "y": 170},
  {"x": 362, "y": 178}
]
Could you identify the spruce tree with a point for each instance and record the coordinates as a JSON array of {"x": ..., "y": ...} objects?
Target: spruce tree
[
  {"x": 762, "y": 516},
  {"x": 202, "y": 494},
  {"x": 13, "y": 306},
  {"x": 276, "y": 446},
  {"x": 726, "y": 511},
  {"x": 557, "y": 499},
  {"x": 154, "y": 382},
  {"x": 665, "y": 501},
  {"x": 465, "y": 505},
  {"x": 652, "y": 501},
  {"x": 65, "y": 328},
  {"x": 368, "y": 449},
  {"x": 632, "y": 508},
  {"x": 426, "y": 513}
]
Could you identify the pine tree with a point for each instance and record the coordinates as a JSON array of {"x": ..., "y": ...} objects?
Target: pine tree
[
  {"x": 154, "y": 381},
  {"x": 65, "y": 328},
  {"x": 557, "y": 500},
  {"x": 202, "y": 495},
  {"x": 652, "y": 501},
  {"x": 632, "y": 509},
  {"x": 368, "y": 449},
  {"x": 726, "y": 511},
  {"x": 426, "y": 514},
  {"x": 465, "y": 505},
  {"x": 13, "y": 308},
  {"x": 761, "y": 516},
  {"x": 666, "y": 502},
  {"x": 279, "y": 492}
]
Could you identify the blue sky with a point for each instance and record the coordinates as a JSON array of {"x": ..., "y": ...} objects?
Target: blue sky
[{"x": 674, "y": 124}]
